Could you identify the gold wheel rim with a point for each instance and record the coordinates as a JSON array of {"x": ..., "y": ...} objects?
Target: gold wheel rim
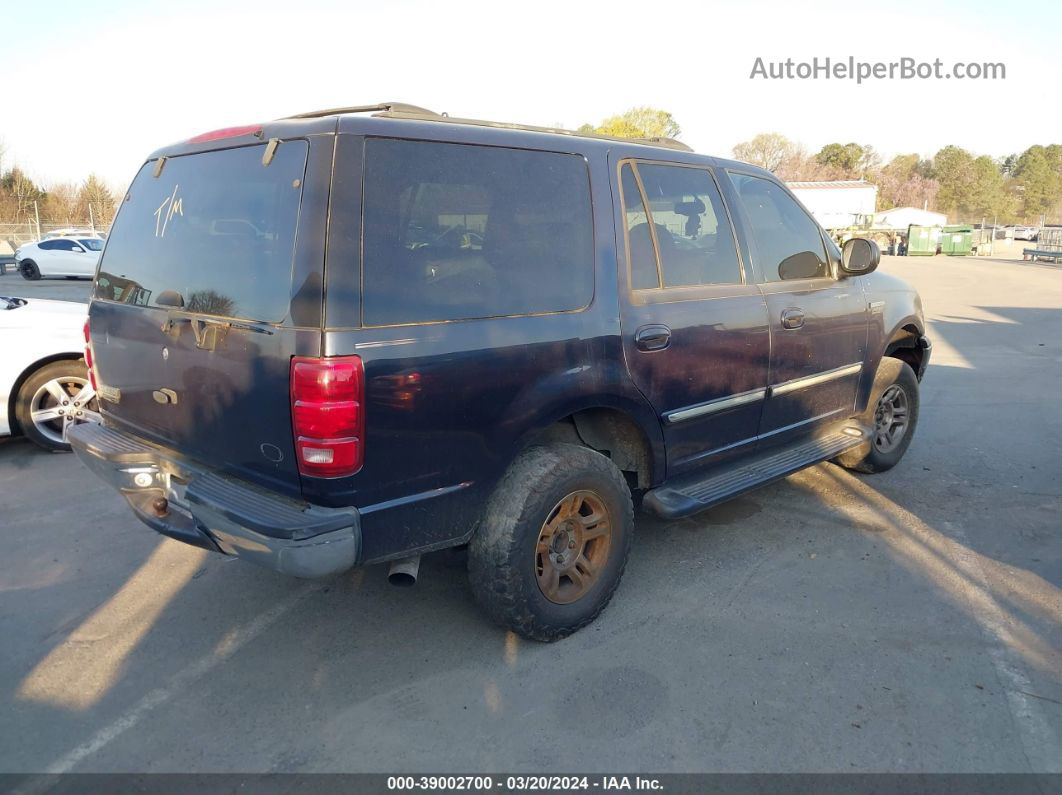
[{"x": 573, "y": 546}]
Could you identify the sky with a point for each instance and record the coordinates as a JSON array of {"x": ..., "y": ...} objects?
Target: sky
[{"x": 99, "y": 85}]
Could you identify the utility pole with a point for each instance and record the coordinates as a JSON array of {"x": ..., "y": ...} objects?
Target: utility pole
[
  {"x": 37, "y": 217},
  {"x": 92, "y": 219}
]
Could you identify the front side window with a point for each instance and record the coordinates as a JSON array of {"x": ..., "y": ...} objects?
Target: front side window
[
  {"x": 788, "y": 241},
  {"x": 687, "y": 222},
  {"x": 456, "y": 232},
  {"x": 92, "y": 244}
]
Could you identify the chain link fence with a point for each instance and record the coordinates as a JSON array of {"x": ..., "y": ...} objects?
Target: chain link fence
[{"x": 14, "y": 235}]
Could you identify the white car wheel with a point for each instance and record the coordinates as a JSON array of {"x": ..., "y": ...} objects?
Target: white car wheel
[{"x": 54, "y": 398}]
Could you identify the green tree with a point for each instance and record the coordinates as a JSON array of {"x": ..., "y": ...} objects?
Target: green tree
[
  {"x": 1053, "y": 153},
  {"x": 988, "y": 195},
  {"x": 766, "y": 150},
  {"x": 1039, "y": 173},
  {"x": 953, "y": 169},
  {"x": 640, "y": 122},
  {"x": 850, "y": 160},
  {"x": 971, "y": 187}
]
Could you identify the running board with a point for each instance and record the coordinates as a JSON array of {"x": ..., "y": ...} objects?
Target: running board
[{"x": 689, "y": 494}]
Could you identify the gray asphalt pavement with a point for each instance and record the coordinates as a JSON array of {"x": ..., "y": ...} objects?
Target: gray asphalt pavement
[
  {"x": 910, "y": 621},
  {"x": 12, "y": 283}
]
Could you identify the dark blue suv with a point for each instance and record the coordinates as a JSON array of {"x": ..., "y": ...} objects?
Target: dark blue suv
[{"x": 364, "y": 334}]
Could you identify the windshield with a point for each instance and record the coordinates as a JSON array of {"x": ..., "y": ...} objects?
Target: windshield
[
  {"x": 92, "y": 244},
  {"x": 214, "y": 233}
]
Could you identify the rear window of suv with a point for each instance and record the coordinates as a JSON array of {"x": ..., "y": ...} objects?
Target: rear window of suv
[
  {"x": 214, "y": 233},
  {"x": 455, "y": 231}
]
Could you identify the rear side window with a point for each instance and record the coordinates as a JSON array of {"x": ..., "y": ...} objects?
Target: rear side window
[
  {"x": 640, "y": 249},
  {"x": 788, "y": 241},
  {"x": 456, "y": 232},
  {"x": 214, "y": 234},
  {"x": 692, "y": 231}
]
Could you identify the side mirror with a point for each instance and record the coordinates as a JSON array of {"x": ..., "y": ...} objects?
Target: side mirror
[{"x": 859, "y": 256}]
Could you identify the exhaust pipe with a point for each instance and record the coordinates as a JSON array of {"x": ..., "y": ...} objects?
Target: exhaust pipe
[{"x": 403, "y": 572}]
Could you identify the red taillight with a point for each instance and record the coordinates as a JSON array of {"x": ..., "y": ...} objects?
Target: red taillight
[
  {"x": 225, "y": 132},
  {"x": 327, "y": 414},
  {"x": 88, "y": 355}
]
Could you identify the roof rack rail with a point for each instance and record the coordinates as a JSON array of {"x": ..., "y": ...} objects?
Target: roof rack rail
[
  {"x": 402, "y": 110},
  {"x": 391, "y": 107},
  {"x": 659, "y": 140}
]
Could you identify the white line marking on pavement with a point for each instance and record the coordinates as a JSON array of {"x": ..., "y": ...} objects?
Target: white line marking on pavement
[
  {"x": 235, "y": 641},
  {"x": 1037, "y": 737}
]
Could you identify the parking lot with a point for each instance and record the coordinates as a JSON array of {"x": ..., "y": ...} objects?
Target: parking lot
[{"x": 910, "y": 621}]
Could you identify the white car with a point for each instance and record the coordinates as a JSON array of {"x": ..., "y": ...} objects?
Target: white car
[
  {"x": 60, "y": 256},
  {"x": 1026, "y": 232},
  {"x": 44, "y": 383}
]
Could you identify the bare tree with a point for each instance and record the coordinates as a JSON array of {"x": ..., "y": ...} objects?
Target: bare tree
[
  {"x": 61, "y": 205},
  {"x": 766, "y": 150},
  {"x": 96, "y": 195}
]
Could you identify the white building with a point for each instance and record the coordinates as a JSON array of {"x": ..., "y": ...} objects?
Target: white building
[
  {"x": 838, "y": 203},
  {"x": 903, "y": 217}
]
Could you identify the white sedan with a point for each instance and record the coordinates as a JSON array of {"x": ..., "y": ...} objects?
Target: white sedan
[
  {"x": 71, "y": 257},
  {"x": 44, "y": 384}
]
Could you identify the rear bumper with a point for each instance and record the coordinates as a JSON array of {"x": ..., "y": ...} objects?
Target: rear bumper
[{"x": 216, "y": 512}]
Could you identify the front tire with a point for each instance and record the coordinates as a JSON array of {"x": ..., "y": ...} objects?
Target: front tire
[
  {"x": 892, "y": 413},
  {"x": 29, "y": 270},
  {"x": 554, "y": 540},
  {"x": 53, "y": 398}
]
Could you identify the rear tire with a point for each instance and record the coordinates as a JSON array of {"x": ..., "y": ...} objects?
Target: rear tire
[
  {"x": 892, "y": 413},
  {"x": 554, "y": 540},
  {"x": 29, "y": 270}
]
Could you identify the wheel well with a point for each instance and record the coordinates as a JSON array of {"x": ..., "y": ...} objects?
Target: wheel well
[
  {"x": 904, "y": 346},
  {"x": 609, "y": 431},
  {"x": 30, "y": 370}
]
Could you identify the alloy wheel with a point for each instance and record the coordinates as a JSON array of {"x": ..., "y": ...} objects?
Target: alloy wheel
[
  {"x": 573, "y": 547},
  {"x": 890, "y": 419},
  {"x": 63, "y": 402}
]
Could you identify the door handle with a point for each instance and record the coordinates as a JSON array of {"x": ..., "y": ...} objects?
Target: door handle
[
  {"x": 652, "y": 338},
  {"x": 792, "y": 318}
]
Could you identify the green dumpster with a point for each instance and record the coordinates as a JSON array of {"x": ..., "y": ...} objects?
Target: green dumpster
[
  {"x": 957, "y": 240},
  {"x": 922, "y": 240}
]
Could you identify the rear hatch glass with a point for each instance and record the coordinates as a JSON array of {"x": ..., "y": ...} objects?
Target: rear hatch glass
[
  {"x": 214, "y": 231},
  {"x": 193, "y": 284}
]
